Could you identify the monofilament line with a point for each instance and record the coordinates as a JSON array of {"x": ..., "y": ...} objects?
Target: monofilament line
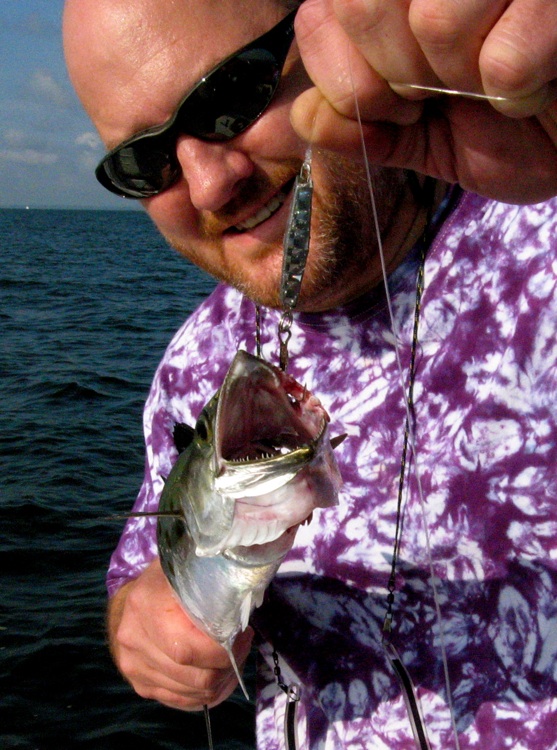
[{"x": 408, "y": 414}]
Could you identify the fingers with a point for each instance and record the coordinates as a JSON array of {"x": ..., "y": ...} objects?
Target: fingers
[
  {"x": 382, "y": 33},
  {"x": 506, "y": 49},
  {"x": 451, "y": 34},
  {"x": 519, "y": 58},
  {"x": 187, "y": 689},
  {"x": 318, "y": 122},
  {"x": 374, "y": 52},
  {"x": 341, "y": 73},
  {"x": 162, "y": 653}
]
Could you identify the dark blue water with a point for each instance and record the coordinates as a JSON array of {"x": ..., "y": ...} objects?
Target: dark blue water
[{"x": 89, "y": 300}]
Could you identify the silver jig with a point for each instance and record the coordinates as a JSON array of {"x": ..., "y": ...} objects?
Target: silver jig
[
  {"x": 296, "y": 239},
  {"x": 296, "y": 247}
]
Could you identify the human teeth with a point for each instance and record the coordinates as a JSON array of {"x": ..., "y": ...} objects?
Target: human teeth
[{"x": 264, "y": 213}]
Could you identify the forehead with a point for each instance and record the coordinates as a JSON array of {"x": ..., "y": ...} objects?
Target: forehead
[
  {"x": 160, "y": 48},
  {"x": 199, "y": 32}
]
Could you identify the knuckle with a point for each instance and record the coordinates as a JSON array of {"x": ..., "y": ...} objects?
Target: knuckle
[
  {"x": 207, "y": 681},
  {"x": 434, "y": 23},
  {"x": 145, "y": 691},
  {"x": 366, "y": 15},
  {"x": 125, "y": 636},
  {"x": 126, "y": 665},
  {"x": 181, "y": 653},
  {"x": 504, "y": 66}
]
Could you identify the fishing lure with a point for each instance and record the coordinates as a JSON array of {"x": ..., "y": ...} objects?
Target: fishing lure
[{"x": 296, "y": 248}]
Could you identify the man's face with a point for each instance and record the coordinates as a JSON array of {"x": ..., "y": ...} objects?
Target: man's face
[{"x": 228, "y": 211}]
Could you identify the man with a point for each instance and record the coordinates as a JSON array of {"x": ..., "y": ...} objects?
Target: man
[{"x": 482, "y": 520}]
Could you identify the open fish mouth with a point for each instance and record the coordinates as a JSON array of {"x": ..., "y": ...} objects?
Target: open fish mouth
[
  {"x": 268, "y": 427},
  {"x": 272, "y": 458}
]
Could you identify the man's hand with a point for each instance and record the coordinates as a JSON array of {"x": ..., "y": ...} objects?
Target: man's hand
[
  {"x": 161, "y": 652},
  {"x": 504, "y": 147}
]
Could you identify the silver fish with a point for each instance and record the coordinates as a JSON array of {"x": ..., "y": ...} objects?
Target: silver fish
[{"x": 259, "y": 462}]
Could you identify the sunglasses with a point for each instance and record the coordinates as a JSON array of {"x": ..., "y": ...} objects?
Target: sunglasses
[{"x": 225, "y": 102}]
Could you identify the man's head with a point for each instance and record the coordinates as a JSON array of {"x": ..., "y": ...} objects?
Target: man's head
[{"x": 226, "y": 208}]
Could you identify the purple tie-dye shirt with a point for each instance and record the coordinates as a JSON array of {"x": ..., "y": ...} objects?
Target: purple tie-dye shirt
[{"x": 486, "y": 454}]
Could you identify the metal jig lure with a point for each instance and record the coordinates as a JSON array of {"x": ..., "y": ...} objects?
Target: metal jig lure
[{"x": 296, "y": 247}]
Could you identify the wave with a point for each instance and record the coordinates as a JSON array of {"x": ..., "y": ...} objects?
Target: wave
[{"x": 89, "y": 301}]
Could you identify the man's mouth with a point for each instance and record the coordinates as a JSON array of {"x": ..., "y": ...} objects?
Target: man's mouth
[{"x": 264, "y": 213}]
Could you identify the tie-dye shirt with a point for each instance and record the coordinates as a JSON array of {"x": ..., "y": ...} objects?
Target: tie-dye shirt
[{"x": 476, "y": 576}]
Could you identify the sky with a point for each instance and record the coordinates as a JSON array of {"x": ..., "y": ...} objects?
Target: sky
[{"x": 48, "y": 146}]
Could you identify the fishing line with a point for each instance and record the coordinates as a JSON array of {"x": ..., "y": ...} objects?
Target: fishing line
[
  {"x": 208, "y": 726},
  {"x": 401, "y": 672}
]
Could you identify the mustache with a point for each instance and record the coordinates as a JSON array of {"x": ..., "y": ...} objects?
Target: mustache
[{"x": 252, "y": 193}]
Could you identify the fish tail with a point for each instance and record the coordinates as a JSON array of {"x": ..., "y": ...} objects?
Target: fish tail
[{"x": 236, "y": 670}]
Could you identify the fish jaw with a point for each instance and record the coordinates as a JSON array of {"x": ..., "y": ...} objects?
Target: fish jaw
[
  {"x": 273, "y": 454},
  {"x": 262, "y": 519},
  {"x": 263, "y": 414}
]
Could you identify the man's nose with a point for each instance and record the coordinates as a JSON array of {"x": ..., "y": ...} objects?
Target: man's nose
[{"x": 213, "y": 171}]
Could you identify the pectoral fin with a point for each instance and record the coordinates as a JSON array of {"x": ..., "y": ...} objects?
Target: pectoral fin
[{"x": 236, "y": 669}]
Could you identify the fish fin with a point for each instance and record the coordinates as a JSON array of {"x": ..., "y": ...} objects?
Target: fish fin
[
  {"x": 236, "y": 669},
  {"x": 183, "y": 435},
  {"x": 245, "y": 611},
  {"x": 336, "y": 441}
]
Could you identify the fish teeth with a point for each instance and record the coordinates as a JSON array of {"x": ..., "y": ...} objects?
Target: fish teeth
[{"x": 280, "y": 451}]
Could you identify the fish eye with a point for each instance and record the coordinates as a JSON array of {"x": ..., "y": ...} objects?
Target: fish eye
[{"x": 203, "y": 428}]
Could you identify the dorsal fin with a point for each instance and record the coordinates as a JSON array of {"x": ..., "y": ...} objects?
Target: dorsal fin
[
  {"x": 183, "y": 435},
  {"x": 336, "y": 441}
]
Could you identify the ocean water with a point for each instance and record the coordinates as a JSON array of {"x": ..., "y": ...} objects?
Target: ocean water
[{"x": 89, "y": 300}]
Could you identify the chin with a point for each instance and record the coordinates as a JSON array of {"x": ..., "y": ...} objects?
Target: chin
[{"x": 264, "y": 293}]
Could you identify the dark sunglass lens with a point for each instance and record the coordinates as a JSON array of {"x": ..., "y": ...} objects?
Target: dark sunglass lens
[
  {"x": 142, "y": 169},
  {"x": 232, "y": 97}
]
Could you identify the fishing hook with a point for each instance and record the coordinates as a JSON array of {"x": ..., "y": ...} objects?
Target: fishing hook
[{"x": 450, "y": 92}]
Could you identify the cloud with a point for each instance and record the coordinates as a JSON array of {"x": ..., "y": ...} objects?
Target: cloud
[
  {"x": 89, "y": 140},
  {"x": 14, "y": 137},
  {"x": 43, "y": 84},
  {"x": 29, "y": 156},
  {"x": 87, "y": 162},
  {"x": 89, "y": 152}
]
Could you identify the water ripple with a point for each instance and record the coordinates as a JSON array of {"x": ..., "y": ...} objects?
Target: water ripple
[{"x": 89, "y": 302}]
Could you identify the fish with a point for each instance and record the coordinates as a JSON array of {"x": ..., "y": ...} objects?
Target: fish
[{"x": 256, "y": 466}]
